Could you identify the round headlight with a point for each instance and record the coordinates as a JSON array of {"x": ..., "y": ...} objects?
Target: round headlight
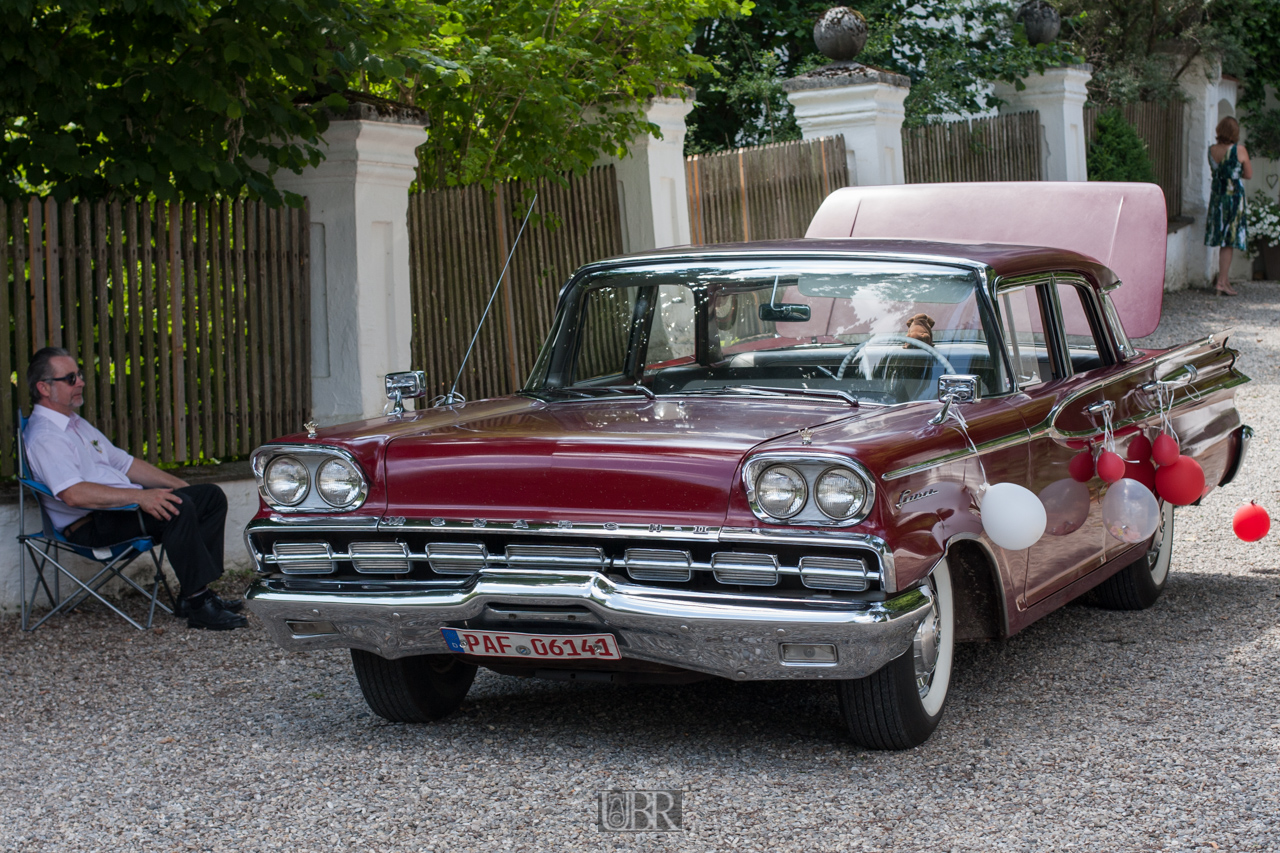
[
  {"x": 840, "y": 493},
  {"x": 781, "y": 491},
  {"x": 338, "y": 482},
  {"x": 286, "y": 480}
]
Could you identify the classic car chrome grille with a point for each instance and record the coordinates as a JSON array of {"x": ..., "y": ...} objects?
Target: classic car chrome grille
[
  {"x": 748, "y": 569},
  {"x": 833, "y": 573},
  {"x": 457, "y": 558},
  {"x": 786, "y": 569},
  {"x": 651, "y": 564},
  {"x": 556, "y": 556},
  {"x": 380, "y": 557},
  {"x": 304, "y": 558}
]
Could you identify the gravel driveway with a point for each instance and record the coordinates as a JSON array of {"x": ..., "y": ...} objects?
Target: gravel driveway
[{"x": 1092, "y": 730}]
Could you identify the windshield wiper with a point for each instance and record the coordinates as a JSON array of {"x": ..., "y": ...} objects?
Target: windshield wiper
[
  {"x": 760, "y": 391},
  {"x": 591, "y": 392}
]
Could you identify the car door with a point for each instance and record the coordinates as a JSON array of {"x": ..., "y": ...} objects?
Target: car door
[{"x": 1093, "y": 368}]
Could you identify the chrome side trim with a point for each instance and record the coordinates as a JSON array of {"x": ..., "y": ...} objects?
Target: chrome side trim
[
  {"x": 729, "y": 635},
  {"x": 959, "y": 455},
  {"x": 1246, "y": 436}
]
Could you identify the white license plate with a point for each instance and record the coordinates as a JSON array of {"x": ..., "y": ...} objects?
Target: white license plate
[{"x": 505, "y": 644}]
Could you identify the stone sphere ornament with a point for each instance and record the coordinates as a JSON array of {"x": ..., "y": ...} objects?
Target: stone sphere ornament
[
  {"x": 1040, "y": 20},
  {"x": 1013, "y": 516},
  {"x": 1130, "y": 512},
  {"x": 840, "y": 33},
  {"x": 1251, "y": 522}
]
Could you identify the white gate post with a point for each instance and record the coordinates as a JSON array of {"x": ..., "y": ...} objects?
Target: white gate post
[
  {"x": 361, "y": 317},
  {"x": 1058, "y": 95},
  {"x": 652, "y": 191},
  {"x": 863, "y": 104}
]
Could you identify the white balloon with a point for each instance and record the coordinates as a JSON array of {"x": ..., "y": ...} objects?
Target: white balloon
[
  {"x": 1066, "y": 502},
  {"x": 1129, "y": 511},
  {"x": 1012, "y": 516}
]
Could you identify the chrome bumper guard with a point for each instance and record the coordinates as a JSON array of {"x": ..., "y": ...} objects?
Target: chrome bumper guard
[{"x": 732, "y": 636}]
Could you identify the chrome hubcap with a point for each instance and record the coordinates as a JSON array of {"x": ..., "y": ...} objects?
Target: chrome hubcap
[{"x": 925, "y": 647}]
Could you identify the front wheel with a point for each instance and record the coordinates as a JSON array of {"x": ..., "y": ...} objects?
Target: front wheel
[
  {"x": 416, "y": 689},
  {"x": 1139, "y": 584},
  {"x": 899, "y": 705}
]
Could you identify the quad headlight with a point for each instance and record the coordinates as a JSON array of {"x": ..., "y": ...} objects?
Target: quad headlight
[
  {"x": 286, "y": 480},
  {"x": 309, "y": 478},
  {"x": 821, "y": 490},
  {"x": 338, "y": 482}
]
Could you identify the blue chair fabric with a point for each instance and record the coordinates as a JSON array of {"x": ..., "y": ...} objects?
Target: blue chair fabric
[{"x": 46, "y": 552}]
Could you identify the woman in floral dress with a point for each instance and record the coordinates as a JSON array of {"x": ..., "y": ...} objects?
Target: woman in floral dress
[{"x": 1229, "y": 164}]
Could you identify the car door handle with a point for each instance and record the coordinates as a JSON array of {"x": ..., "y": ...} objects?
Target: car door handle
[{"x": 1192, "y": 373}]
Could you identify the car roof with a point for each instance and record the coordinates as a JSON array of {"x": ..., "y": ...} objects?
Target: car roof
[{"x": 1004, "y": 259}]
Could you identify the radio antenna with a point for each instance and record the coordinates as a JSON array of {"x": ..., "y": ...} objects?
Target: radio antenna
[{"x": 453, "y": 396}]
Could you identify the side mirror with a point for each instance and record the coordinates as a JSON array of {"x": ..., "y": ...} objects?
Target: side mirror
[
  {"x": 784, "y": 312},
  {"x": 954, "y": 388},
  {"x": 960, "y": 387},
  {"x": 404, "y": 386}
]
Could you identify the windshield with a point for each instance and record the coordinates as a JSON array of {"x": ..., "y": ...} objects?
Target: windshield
[{"x": 877, "y": 331}]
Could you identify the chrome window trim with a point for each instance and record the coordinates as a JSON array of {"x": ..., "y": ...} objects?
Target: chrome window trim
[
  {"x": 758, "y": 463},
  {"x": 265, "y": 454}
]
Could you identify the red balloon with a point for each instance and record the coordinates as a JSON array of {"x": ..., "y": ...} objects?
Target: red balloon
[
  {"x": 1251, "y": 522},
  {"x": 1081, "y": 467},
  {"x": 1182, "y": 482},
  {"x": 1165, "y": 449},
  {"x": 1143, "y": 471},
  {"x": 1139, "y": 449},
  {"x": 1110, "y": 466}
]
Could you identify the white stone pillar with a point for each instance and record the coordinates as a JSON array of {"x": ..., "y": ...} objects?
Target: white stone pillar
[
  {"x": 361, "y": 318},
  {"x": 862, "y": 104},
  {"x": 651, "y": 181},
  {"x": 1058, "y": 95}
]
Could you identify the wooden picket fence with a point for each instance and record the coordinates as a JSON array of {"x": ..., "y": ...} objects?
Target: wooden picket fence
[
  {"x": 459, "y": 239},
  {"x": 762, "y": 193},
  {"x": 191, "y": 321},
  {"x": 998, "y": 148},
  {"x": 1160, "y": 127}
]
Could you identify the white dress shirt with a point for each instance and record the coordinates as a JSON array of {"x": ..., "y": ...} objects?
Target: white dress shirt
[{"x": 63, "y": 451}]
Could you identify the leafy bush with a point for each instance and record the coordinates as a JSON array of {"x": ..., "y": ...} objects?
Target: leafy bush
[{"x": 1117, "y": 153}]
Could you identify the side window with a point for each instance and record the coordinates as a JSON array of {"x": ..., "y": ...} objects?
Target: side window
[
  {"x": 1082, "y": 347},
  {"x": 672, "y": 336},
  {"x": 606, "y": 320},
  {"x": 1024, "y": 335}
]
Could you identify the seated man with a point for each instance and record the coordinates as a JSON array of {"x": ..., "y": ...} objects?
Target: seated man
[{"x": 89, "y": 474}]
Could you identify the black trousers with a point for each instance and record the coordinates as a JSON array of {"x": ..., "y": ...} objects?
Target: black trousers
[{"x": 192, "y": 539}]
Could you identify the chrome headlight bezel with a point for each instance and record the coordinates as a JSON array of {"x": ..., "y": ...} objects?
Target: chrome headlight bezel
[
  {"x": 312, "y": 457},
  {"x": 811, "y": 466}
]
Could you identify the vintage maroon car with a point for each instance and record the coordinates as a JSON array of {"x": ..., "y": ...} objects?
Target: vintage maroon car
[{"x": 761, "y": 461}]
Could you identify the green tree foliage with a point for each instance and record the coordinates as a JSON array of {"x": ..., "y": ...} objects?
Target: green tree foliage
[
  {"x": 185, "y": 96},
  {"x": 1117, "y": 153},
  {"x": 948, "y": 48},
  {"x": 551, "y": 83}
]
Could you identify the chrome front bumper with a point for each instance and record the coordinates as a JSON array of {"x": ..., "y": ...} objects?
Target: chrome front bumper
[{"x": 733, "y": 636}]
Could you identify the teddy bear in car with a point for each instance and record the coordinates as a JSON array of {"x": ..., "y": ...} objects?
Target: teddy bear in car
[{"x": 920, "y": 327}]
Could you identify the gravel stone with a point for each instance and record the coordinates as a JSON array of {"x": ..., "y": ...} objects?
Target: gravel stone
[{"x": 1092, "y": 730}]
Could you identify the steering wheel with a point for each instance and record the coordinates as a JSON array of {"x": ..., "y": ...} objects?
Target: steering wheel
[{"x": 893, "y": 337}]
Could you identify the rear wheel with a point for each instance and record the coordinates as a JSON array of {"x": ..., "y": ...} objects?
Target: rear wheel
[
  {"x": 899, "y": 705},
  {"x": 1139, "y": 584},
  {"x": 414, "y": 689}
]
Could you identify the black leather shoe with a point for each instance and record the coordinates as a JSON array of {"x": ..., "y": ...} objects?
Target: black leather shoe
[
  {"x": 207, "y": 614},
  {"x": 234, "y": 605}
]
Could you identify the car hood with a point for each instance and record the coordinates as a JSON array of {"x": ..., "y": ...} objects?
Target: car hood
[{"x": 645, "y": 461}]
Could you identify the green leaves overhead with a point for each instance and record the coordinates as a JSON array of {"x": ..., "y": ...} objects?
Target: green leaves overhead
[{"x": 186, "y": 97}]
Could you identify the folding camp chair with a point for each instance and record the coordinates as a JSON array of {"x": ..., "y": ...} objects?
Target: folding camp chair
[{"x": 45, "y": 548}]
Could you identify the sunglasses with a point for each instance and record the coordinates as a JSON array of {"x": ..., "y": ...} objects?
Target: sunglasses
[{"x": 70, "y": 378}]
